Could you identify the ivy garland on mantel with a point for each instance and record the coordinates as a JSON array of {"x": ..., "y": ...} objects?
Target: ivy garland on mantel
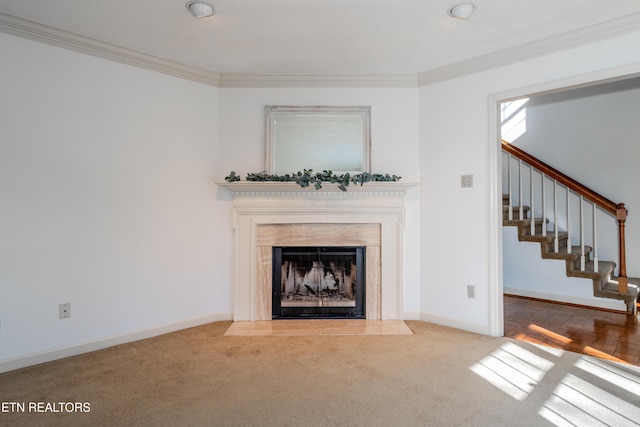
[{"x": 308, "y": 177}]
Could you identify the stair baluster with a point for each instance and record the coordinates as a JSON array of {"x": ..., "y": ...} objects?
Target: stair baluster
[
  {"x": 556, "y": 242},
  {"x": 521, "y": 207},
  {"x": 582, "y": 257},
  {"x": 533, "y": 210},
  {"x": 509, "y": 187},
  {"x": 544, "y": 208},
  {"x": 595, "y": 239},
  {"x": 568, "y": 221}
]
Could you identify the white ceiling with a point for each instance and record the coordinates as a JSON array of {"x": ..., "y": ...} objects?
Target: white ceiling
[{"x": 322, "y": 37}]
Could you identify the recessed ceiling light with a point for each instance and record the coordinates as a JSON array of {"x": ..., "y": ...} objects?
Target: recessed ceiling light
[
  {"x": 462, "y": 11},
  {"x": 200, "y": 9}
]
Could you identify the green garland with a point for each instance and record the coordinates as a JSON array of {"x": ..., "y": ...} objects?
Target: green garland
[{"x": 308, "y": 177}]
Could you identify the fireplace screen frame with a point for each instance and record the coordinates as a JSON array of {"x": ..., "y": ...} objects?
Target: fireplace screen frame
[{"x": 358, "y": 311}]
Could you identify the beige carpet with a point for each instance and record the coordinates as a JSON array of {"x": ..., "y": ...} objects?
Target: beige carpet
[{"x": 436, "y": 376}]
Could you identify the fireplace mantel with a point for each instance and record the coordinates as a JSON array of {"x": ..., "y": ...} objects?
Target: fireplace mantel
[
  {"x": 328, "y": 190},
  {"x": 260, "y": 204}
]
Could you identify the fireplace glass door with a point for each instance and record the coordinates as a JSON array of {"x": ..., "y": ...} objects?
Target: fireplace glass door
[{"x": 318, "y": 282}]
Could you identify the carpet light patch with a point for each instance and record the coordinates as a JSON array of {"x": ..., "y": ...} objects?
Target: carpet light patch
[
  {"x": 538, "y": 362},
  {"x": 616, "y": 375},
  {"x": 577, "y": 402},
  {"x": 513, "y": 369}
]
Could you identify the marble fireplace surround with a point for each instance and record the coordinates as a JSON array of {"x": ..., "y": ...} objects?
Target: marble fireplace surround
[{"x": 283, "y": 214}]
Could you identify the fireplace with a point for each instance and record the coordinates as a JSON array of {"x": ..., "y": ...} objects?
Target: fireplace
[
  {"x": 318, "y": 282},
  {"x": 270, "y": 215},
  {"x": 270, "y": 237}
]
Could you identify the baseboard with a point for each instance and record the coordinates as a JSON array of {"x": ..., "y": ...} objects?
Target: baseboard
[
  {"x": 411, "y": 315},
  {"x": 454, "y": 323},
  {"x": 608, "y": 304},
  {"x": 102, "y": 343}
]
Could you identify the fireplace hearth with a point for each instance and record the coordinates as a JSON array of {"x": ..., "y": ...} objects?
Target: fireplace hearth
[{"x": 318, "y": 282}]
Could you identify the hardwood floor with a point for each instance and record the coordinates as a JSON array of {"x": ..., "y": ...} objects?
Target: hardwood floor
[{"x": 601, "y": 333}]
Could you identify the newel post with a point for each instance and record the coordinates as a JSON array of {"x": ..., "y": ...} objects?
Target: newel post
[{"x": 623, "y": 281}]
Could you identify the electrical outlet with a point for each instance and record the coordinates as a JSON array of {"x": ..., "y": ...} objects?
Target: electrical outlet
[
  {"x": 471, "y": 291},
  {"x": 64, "y": 310},
  {"x": 466, "y": 181}
]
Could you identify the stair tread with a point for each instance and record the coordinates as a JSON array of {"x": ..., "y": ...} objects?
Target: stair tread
[
  {"x": 604, "y": 269},
  {"x": 524, "y": 223},
  {"x": 576, "y": 253},
  {"x": 612, "y": 287},
  {"x": 515, "y": 212},
  {"x": 538, "y": 237}
]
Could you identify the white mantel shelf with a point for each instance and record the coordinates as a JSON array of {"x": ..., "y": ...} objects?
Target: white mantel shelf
[{"x": 328, "y": 190}]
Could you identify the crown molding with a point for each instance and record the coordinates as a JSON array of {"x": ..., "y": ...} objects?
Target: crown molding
[
  {"x": 275, "y": 80},
  {"x": 602, "y": 31},
  {"x": 67, "y": 40}
]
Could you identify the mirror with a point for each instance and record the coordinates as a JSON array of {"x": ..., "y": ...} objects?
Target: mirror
[{"x": 318, "y": 138}]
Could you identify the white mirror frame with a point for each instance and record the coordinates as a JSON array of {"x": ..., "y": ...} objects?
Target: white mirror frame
[{"x": 289, "y": 128}]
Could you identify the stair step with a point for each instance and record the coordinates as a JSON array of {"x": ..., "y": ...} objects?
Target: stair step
[
  {"x": 525, "y": 223},
  {"x": 538, "y": 237},
  {"x": 605, "y": 270},
  {"x": 574, "y": 254},
  {"x": 610, "y": 290},
  {"x": 612, "y": 286},
  {"x": 515, "y": 212}
]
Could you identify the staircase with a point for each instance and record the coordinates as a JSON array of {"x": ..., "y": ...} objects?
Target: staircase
[
  {"x": 581, "y": 261},
  {"x": 605, "y": 284}
]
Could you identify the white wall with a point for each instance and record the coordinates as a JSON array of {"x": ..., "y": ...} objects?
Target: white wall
[
  {"x": 460, "y": 231},
  {"x": 394, "y": 124},
  {"x": 394, "y": 146},
  {"x": 107, "y": 201},
  {"x": 592, "y": 135}
]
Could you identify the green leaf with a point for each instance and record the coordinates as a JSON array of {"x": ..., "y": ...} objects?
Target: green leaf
[
  {"x": 305, "y": 178},
  {"x": 232, "y": 177}
]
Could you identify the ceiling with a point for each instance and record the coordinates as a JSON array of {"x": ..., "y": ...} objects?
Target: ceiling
[{"x": 319, "y": 37}]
